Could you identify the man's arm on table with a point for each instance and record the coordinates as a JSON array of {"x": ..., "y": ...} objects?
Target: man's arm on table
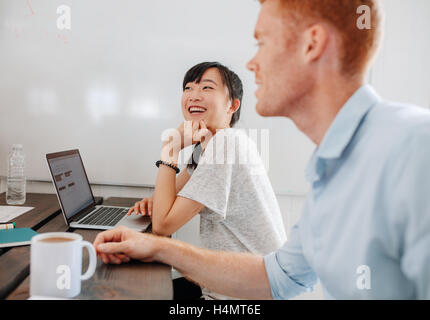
[
  {"x": 238, "y": 275},
  {"x": 280, "y": 275}
]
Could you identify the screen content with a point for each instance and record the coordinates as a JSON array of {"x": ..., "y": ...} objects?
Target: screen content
[{"x": 73, "y": 188}]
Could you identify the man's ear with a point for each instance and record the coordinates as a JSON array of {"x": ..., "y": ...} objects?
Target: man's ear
[
  {"x": 234, "y": 106},
  {"x": 315, "y": 42}
]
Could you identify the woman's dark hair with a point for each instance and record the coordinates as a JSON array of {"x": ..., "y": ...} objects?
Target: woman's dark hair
[{"x": 230, "y": 79}]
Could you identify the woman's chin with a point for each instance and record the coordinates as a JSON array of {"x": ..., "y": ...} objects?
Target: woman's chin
[{"x": 195, "y": 117}]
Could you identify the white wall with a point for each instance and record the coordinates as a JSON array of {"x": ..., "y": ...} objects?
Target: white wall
[{"x": 401, "y": 70}]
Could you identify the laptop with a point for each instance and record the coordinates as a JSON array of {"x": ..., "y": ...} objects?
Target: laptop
[{"x": 76, "y": 197}]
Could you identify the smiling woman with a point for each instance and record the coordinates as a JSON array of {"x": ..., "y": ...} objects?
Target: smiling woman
[
  {"x": 237, "y": 207},
  {"x": 213, "y": 81},
  {"x": 208, "y": 87}
]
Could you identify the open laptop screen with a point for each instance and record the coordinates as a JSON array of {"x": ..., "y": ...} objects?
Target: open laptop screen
[{"x": 71, "y": 181}]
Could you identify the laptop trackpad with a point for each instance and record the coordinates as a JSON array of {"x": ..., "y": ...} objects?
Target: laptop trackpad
[{"x": 136, "y": 222}]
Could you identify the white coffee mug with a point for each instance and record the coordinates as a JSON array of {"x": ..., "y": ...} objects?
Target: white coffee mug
[{"x": 56, "y": 264}]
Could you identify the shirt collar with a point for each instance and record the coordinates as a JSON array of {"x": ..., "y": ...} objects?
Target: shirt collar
[{"x": 342, "y": 130}]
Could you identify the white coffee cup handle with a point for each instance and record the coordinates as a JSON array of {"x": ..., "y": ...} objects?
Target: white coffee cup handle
[{"x": 93, "y": 260}]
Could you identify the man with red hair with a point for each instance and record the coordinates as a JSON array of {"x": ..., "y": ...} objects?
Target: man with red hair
[{"x": 365, "y": 227}]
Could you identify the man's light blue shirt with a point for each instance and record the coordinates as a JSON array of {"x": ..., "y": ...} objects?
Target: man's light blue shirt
[{"x": 365, "y": 227}]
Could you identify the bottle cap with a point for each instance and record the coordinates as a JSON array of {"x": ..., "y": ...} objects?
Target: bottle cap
[{"x": 17, "y": 146}]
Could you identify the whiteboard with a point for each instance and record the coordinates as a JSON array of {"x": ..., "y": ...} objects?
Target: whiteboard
[{"x": 112, "y": 83}]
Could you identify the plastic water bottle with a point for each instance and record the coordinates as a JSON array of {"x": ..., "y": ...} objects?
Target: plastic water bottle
[{"x": 15, "y": 192}]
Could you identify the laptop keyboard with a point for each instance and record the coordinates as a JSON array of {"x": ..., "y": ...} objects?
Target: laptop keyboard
[{"x": 105, "y": 216}]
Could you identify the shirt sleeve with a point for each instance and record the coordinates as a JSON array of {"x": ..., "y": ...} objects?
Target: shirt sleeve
[
  {"x": 288, "y": 270},
  {"x": 412, "y": 201}
]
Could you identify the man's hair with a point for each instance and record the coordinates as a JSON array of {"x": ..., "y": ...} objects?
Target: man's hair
[{"x": 359, "y": 46}]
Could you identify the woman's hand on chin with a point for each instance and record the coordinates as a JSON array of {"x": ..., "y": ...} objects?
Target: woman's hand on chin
[
  {"x": 187, "y": 134},
  {"x": 202, "y": 135},
  {"x": 193, "y": 132}
]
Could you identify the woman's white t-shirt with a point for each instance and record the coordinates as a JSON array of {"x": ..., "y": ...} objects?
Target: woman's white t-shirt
[{"x": 241, "y": 212}]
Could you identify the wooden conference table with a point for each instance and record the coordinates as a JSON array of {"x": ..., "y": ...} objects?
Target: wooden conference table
[{"x": 134, "y": 280}]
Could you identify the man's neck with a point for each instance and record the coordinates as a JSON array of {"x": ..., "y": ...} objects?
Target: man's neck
[{"x": 319, "y": 109}]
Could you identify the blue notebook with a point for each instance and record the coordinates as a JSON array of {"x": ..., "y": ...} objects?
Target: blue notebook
[{"x": 16, "y": 237}]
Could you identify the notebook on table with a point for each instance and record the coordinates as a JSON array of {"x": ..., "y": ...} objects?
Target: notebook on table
[{"x": 16, "y": 237}]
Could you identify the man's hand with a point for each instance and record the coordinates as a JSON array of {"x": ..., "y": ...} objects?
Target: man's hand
[{"x": 121, "y": 244}]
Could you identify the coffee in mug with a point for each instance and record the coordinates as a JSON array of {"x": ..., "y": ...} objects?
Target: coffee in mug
[
  {"x": 56, "y": 239},
  {"x": 56, "y": 264}
]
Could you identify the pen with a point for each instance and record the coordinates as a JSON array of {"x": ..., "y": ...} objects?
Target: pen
[{"x": 7, "y": 226}]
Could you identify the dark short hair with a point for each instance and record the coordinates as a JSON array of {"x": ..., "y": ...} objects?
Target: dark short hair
[{"x": 230, "y": 79}]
